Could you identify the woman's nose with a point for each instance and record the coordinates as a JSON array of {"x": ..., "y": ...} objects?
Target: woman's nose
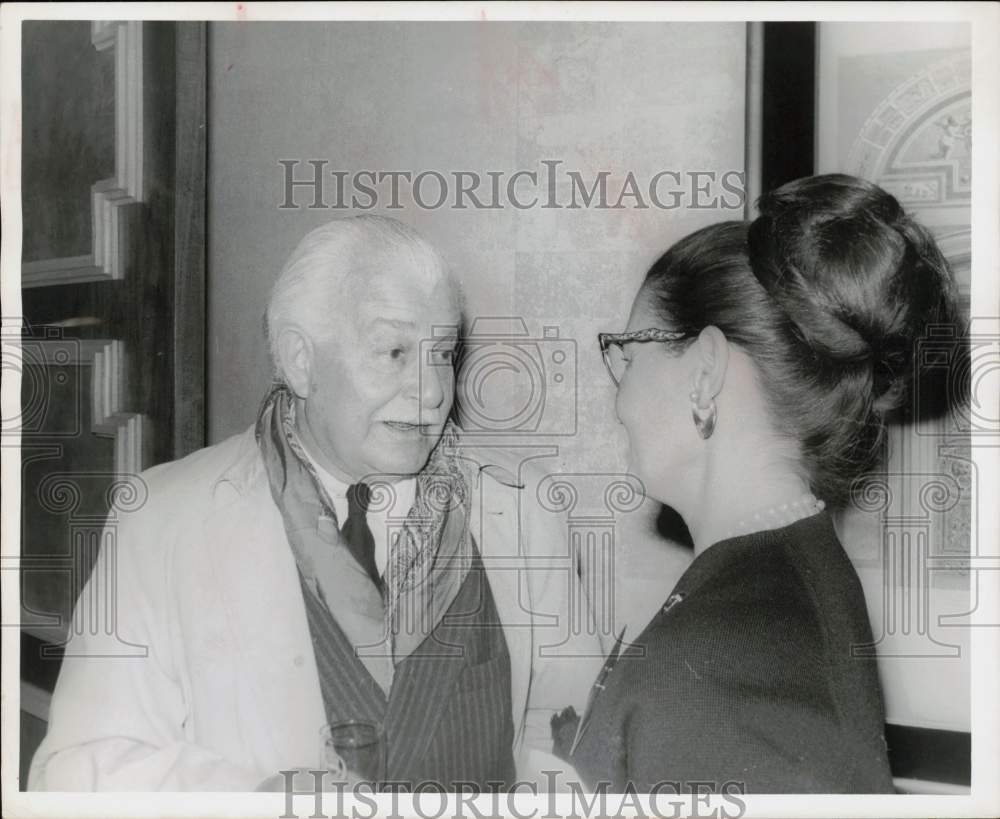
[{"x": 618, "y": 404}]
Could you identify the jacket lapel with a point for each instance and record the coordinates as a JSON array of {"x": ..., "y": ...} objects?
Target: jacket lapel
[
  {"x": 432, "y": 671},
  {"x": 356, "y": 606},
  {"x": 494, "y": 522},
  {"x": 349, "y": 691},
  {"x": 420, "y": 694},
  {"x": 258, "y": 585}
]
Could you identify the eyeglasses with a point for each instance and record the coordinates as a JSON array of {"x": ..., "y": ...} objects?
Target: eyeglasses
[{"x": 613, "y": 347}]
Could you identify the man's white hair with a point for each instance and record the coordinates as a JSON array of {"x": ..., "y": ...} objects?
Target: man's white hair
[{"x": 316, "y": 279}]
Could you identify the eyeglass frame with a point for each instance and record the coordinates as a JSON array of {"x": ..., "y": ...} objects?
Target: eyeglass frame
[{"x": 605, "y": 340}]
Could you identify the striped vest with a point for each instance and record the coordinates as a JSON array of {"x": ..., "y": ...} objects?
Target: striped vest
[{"x": 447, "y": 718}]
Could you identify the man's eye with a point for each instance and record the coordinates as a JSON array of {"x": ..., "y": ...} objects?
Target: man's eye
[
  {"x": 394, "y": 353},
  {"x": 443, "y": 356}
]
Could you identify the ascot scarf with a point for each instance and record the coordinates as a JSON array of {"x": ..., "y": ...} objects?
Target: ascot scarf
[{"x": 429, "y": 555}]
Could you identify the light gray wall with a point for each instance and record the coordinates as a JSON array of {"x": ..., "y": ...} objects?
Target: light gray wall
[
  {"x": 462, "y": 96},
  {"x": 468, "y": 96}
]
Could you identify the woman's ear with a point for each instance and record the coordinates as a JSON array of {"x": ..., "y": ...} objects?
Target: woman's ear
[
  {"x": 712, "y": 351},
  {"x": 295, "y": 357}
]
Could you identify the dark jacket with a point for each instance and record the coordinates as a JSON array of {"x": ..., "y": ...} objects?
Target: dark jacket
[{"x": 746, "y": 676}]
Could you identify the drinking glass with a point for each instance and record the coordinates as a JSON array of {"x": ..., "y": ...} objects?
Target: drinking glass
[{"x": 353, "y": 752}]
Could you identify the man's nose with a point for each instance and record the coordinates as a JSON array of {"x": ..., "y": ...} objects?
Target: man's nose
[{"x": 432, "y": 383}]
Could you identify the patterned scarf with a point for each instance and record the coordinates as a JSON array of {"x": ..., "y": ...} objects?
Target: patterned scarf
[{"x": 429, "y": 555}]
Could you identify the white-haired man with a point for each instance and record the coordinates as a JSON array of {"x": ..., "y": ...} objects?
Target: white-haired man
[{"x": 348, "y": 558}]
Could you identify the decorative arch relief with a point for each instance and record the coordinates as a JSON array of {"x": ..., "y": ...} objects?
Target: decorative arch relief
[{"x": 917, "y": 144}]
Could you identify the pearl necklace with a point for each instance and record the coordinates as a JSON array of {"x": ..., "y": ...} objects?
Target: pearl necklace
[{"x": 776, "y": 517}]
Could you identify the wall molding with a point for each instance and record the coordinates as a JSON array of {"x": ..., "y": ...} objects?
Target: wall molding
[
  {"x": 130, "y": 430},
  {"x": 65, "y": 270},
  {"x": 126, "y": 187},
  {"x": 126, "y": 428}
]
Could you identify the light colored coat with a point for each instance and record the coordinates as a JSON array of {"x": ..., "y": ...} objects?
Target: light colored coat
[{"x": 228, "y": 693}]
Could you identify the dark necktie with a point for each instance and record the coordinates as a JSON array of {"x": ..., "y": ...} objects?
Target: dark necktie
[{"x": 356, "y": 533}]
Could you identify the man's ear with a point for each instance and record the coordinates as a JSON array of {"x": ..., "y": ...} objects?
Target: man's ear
[
  {"x": 295, "y": 359},
  {"x": 712, "y": 348}
]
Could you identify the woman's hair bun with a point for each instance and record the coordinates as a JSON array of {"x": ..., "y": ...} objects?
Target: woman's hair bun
[
  {"x": 829, "y": 291},
  {"x": 858, "y": 280}
]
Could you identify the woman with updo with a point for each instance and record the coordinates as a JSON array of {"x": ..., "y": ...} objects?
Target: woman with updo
[{"x": 755, "y": 377}]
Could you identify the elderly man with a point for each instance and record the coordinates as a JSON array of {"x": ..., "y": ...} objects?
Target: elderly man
[{"x": 348, "y": 558}]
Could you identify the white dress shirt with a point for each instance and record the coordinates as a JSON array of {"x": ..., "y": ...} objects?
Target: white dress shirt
[{"x": 379, "y": 520}]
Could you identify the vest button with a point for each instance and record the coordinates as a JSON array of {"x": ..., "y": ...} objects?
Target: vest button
[{"x": 299, "y": 660}]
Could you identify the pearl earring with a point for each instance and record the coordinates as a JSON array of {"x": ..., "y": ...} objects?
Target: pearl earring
[{"x": 704, "y": 417}]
